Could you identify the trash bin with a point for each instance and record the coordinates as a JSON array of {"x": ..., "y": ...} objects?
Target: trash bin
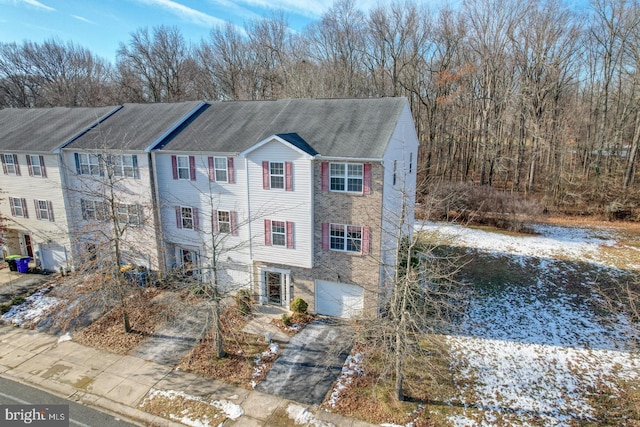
[
  {"x": 12, "y": 262},
  {"x": 23, "y": 264}
]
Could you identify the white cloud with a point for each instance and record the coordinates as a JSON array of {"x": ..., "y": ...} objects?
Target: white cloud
[
  {"x": 37, "y": 4},
  {"x": 185, "y": 12},
  {"x": 80, "y": 18}
]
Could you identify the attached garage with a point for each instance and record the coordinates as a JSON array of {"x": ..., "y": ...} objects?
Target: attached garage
[{"x": 339, "y": 299}]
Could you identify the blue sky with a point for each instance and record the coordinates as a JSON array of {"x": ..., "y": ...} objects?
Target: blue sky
[{"x": 101, "y": 25}]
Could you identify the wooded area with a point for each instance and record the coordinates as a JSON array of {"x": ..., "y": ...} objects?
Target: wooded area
[{"x": 526, "y": 96}]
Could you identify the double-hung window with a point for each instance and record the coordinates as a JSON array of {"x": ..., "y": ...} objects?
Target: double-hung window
[
  {"x": 187, "y": 217},
  {"x": 224, "y": 221},
  {"x": 87, "y": 164},
  {"x": 183, "y": 167},
  {"x": 125, "y": 166},
  {"x": 278, "y": 233},
  {"x": 92, "y": 210},
  {"x": 276, "y": 174},
  {"x": 128, "y": 214},
  {"x": 44, "y": 210},
  {"x": 10, "y": 164},
  {"x": 346, "y": 177},
  {"x": 36, "y": 166},
  {"x": 346, "y": 238},
  {"x": 220, "y": 169},
  {"x": 18, "y": 207}
]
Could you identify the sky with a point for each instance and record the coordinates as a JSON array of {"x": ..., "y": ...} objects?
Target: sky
[{"x": 101, "y": 25}]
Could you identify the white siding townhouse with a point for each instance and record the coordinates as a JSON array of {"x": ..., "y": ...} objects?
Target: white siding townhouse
[{"x": 33, "y": 199}]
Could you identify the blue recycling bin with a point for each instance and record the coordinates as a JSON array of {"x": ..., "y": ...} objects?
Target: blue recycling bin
[{"x": 23, "y": 264}]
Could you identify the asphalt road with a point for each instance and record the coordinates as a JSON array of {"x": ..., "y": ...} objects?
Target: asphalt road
[{"x": 13, "y": 393}]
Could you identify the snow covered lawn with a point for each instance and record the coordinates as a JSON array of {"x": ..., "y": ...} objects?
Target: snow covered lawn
[{"x": 534, "y": 352}]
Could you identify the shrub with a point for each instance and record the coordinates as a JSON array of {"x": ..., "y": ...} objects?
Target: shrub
[
  {"x": 286, "y": 319},
  {"x": 17, "y": 299},
  {"x": 243, "y": 301},
  {"x": 299, "y": 306}
]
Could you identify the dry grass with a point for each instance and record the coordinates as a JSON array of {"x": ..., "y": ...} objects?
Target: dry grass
[
  {"x": 176, "y": 407},
  {"x": 107, "y": 333},
  {"x": 241, "y": 350}
]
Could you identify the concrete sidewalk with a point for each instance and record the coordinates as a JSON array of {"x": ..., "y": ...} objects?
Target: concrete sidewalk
[{"x": 118, "y": 383}]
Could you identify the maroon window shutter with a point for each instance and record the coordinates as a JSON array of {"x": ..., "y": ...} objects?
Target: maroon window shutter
[
  {"x": 265, "y": 175},
  {"x": 230, "y": 171},
  {"x": 15, "y": 161},
  {"x": 366, "y": 240},
  {"x": 289, "y": 234},
  {"x": 35, "y": 204},
  {"x": 42, "y": 167},
  {"x": 288, "y": 176},
  {"x": 4, "y": 165},
  {"x": 50, "y": 209},
  {"x": 234, "y": 223},
  {"x": 24, "y": 208},
  {"x": 174, "y": 166},
  {"x": 267, "y": 232},
  {"x": 178, "y": 217},
  {"x": 196, "y": 218},
  {"x": 192, "y": 168},
  {"x": 325, "y": 236},
  {"x": 366, "y": 179},
  {"x": 324, "y": 175},
  {"x": 13, "y": 209},
  {"x": 214, "y": 220},
  {"x": 29, "y": 165},
  {"x": 212, "y": 170}
]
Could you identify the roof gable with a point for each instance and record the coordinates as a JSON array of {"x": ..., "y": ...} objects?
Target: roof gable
[{"x": 291, "y": 140}]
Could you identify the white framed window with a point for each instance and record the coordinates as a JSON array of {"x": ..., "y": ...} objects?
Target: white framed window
[
  {"x": 87, "y": 164},
  {"x": 35, "y": 165},
  {"x": 125, "y": 165},
  {"x": 183, "y": 167},
  {"x": 345, "y": 238},
  {"x": 44, "y": 210},
  {"x": 92, "y": 210},
  {"x": 186, "y": 217},
  {"x": 128, "y": 214},
  {"x": 346, "y": 177},
  {"x": 18, "y": 207},
  {"x": 10, "y": 164},
  {"x": 220, "y": 169},
  {"x": 224, "y": 221},
  {"x": 278, "y": 233},
  {"x": 276, "y": 174}
]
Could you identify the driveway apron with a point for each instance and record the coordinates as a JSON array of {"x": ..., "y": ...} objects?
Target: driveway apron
[{"x": 310, "y": 362}]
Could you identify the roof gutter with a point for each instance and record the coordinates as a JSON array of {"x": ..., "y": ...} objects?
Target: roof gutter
[{"x": 348, "y": 159}]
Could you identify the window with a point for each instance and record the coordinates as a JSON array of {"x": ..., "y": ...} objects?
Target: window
[
  {"x": 347, "y": 177},
  {"x": 278, "y": 233},
  {"x": 125, "y": 166},
  {"x": 347, "y": 238},
  {"x": 44, "y": 210},
  {"x": 224, "y": 222},
  {"x": 36, "y": 166},
  {"x": 92, "y": 210},
  {"x": 10, "y": 164},
  {"x": 187, "y": 217},
  {"x": 410, "y": 162},
  {"x": 276, "y": 175},
  {"x": 183, "y": 167},
  {"x": 18, "y": 207},
  {"x": 220, "y": 168},
  {"x": 129, "y": 214},
  {"x": 87, "y": 164}
]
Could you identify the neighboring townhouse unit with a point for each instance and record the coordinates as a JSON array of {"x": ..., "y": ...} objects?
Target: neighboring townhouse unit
[
  {"x": 295, "y": 198},
  {"x": 109, "y": 182},
  {"x": 31, "y": 180}
]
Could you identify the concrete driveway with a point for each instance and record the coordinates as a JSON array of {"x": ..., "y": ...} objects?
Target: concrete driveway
[{"x": 310, "y": 362}]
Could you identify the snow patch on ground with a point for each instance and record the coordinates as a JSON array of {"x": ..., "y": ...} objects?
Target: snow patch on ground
[
  {"x": 260, "y": 365},
  {"x": 32, "y": 310},
  {"x": 352, "y": 367},
  {"x": 301, "y": 416}
]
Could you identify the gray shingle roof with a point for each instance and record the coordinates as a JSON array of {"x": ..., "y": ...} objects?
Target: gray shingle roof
[
  {"x": 358, "y": 128},
  {"x": 135, "y": 126},
  {"x": 45, "y": 129}
]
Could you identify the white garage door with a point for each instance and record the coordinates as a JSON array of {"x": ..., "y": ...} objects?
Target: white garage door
[
  {"x": 53, "y": 257},
  {"x": 339, "y": 299}
]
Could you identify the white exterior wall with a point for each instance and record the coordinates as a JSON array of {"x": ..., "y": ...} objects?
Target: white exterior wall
[
  {"x": 35, "y": 188},
  {"x": 403, "y": 150},
  {"x": 139, "y": 243},
  {"x": 281, "y": 205},
  {"x": 233, "y": 252}
]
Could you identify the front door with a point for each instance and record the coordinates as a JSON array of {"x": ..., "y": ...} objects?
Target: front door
[{"x": 273, "y": 281}]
